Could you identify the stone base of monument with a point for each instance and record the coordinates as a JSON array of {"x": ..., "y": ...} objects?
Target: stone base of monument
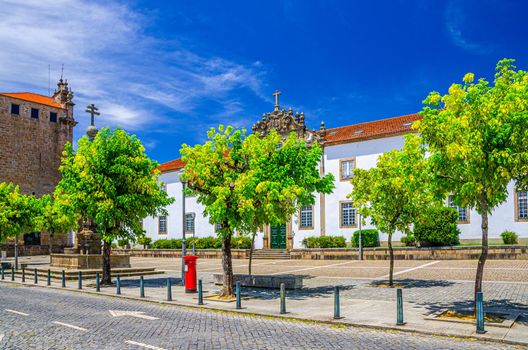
[
  {"x": 263, "y": 281},
  {"x": 88, "y": 261}
]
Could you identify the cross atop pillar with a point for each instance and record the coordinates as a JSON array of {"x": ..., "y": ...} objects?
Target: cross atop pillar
[
  {"x": 276, "y": 94},
  {"x": 93, "y": 112}
]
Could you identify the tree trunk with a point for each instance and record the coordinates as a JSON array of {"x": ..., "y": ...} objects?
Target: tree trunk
[
  {"x": 107, "y": 278},
  {"x": 484, "y": 252},
  {"x": 227, "y": 265},
  {"x": 391, "y": 255},
  {"x": 251, "y": 252}
]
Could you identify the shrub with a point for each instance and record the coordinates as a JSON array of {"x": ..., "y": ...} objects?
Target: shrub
[
  {"x": 144, "y": 241},
  {"x": 122, "y": 243},
  {"x": 167, "y": 244},
  {"x": 510, "y": 237},
  {"x": 408, "y": 240},
  {"x": 325, "y": 242},
  {"x": 240, "y": 242},
  {"x": 237, "y": 242},
  {"x": 437, "y": 227},
  {"x": 369, "y": 238}
]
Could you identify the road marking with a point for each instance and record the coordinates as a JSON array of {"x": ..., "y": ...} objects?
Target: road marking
[
  {"x": 146, "y": 346},
  {"x": 17, "y": 312},
  {"x": 314, "y": 267},
  {"x": 412, "y": 269},
  {"x": 1, "y": 337},
  {"x": 138, "y": 314},
  {"x": 70, "y": 326}
]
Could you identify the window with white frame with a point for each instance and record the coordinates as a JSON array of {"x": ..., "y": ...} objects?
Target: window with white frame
[
  {"x": 462, "y": 212},
  {"x": 348, "y": 214},
  {"x": 306, "y": 217},
  {"x": 162, "y": 225},
  {"x": 522, "y": 205},
  {"x": 189, "y": 222},
  {"x": 347, "y": 169}
]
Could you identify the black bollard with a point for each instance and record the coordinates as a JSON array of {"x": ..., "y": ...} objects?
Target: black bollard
[
  {"x": 141, "y": 287},
  {"x": 480, "y": 313},
  {"x": 12, "y": 274},
  {"x": 3, "y": 277},
  {"x": 200, "y": 293},
  {"x": 48, "y": 282},
  {"x": 97, "y": 282},
  {"x": 23, "y": 274},
  {"x": 35, "y": 280},
  {"x": 79, "y": 279},
  {"x": 118, "y": 285},
  {"x": 237, "y": 291},
  {"x": 399, "y": 307},
  {"x": 337, "y": 308},
  {"x": 169, "y": 290},
  {"x": 282, "y": 298},
  {"x": 63, "y": 279}
]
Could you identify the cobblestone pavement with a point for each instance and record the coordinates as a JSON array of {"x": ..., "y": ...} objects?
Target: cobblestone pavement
[{"x": 38, "y": 318}]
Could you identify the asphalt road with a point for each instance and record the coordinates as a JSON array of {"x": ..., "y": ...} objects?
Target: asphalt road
[{"x": 39, "y": 318}]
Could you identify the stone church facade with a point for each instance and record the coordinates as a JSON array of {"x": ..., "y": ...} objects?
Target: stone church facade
[
  {"x": 344, "y": 149},
  {"x": 33, "y": 131}
]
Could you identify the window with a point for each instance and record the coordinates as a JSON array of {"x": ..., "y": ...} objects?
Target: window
[
  {"x": 15, "y": 109},
  {"x": 522, "y": 205},
  {"x": 463, "y": 216},
  {"x": 348, "y": 215},
  {"x": 306, "y": 217},
  {"x": 347, "y": 169},
  {"x": 189, "y": 222},
  {"x": 34, "y": 113},
  {"x": 53, "y": 117},
  {"x": 162, "y": 225}
]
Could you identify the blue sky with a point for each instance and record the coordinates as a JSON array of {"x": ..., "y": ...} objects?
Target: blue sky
[{"x": 169, "y": 70}]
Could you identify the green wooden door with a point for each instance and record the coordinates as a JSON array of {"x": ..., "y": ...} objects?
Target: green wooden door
[{"x": 278, "y": 237}]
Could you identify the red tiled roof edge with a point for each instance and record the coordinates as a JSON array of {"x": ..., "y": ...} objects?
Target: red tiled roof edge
[{"x": 32, "y": 97}]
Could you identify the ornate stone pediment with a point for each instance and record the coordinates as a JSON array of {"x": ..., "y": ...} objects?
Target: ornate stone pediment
[{"x": 285, "y": 122}]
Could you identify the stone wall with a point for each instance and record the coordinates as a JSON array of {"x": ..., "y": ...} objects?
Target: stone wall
[
  {"x": 31, "y": 250},
  {"x": 176, "y": 253}
]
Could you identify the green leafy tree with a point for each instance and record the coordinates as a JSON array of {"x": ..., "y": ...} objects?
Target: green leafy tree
[
  {"x": 476, "y": 135},
  {"x": 16, "y": 211},
  {"x": 247, "y": 182},
  {"x": 53, "y": 218},
  {"x": 394, "y": 193},
  {"x": 112, "y": 182}
]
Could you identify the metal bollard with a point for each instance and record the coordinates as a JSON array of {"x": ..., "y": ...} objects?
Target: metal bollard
[
  {"x": 399, "y": 307},
  {"x": 169, "y": 290},
  {"x": 337, "y": 308},
  {"x": 141, "y": 287},
  {"x": 23, "y": 274},
  {"x": 63, "y": 279},
  {"x": 79, "y": 278},
  {"x": 3, "y": 277},
  {"x": 118, "y": 285},
  {"x": 282, "y": 298},
  {"x": 237, "y": 291},
  {"x": 480, "y": 313},
  {"x": 97, "y": 282},
  {"x": 48, "y": 282},
  {"x": 35, "y": 279},
  {"x": 200, "y": 293},
  {"x": 12, "y": 274}
]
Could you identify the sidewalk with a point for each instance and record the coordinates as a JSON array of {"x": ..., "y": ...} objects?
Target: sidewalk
[{"x": 318, "y": 308}]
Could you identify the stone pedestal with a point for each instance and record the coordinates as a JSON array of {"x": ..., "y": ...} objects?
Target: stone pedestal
[{"x": 88, "y": 261}]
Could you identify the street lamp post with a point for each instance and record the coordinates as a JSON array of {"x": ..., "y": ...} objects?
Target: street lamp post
[
  {"x": 184, "y": 224},
  {"x": 16, "y": 252},
  {"x": 360, "y": 240}
]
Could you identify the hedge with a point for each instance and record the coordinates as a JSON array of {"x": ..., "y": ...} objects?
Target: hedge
[
  {"x": 369, "y": 238},
  {"x": 438, "y": 227},
  {"x": 510, "y": 237},
  {"x": 325, "y": 242},
  {"x": 237, "y": 242}
]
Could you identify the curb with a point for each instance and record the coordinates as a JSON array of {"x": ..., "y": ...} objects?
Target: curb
[{"x": 278, "y": 317}]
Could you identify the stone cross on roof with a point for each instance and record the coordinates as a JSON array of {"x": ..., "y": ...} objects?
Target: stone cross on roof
[
  {"x": 276, "y": 94},
  {"x": 91, "y": 131}
]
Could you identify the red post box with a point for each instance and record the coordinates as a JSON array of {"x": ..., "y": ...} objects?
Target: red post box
[{"x": 190, "y": 273}]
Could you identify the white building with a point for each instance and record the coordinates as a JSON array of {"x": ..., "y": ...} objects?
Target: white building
[{"x": 345, "y": 148}]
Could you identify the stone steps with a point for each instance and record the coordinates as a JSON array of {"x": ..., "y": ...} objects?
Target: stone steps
[{"x": 271, "y": 254}]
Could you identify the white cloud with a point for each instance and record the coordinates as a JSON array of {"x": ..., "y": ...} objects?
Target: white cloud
[
  {"x": 110, "y": 61},
  {"x": 454, "y": 21}
]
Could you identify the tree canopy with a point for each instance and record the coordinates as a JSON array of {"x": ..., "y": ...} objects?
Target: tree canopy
[
  {"x": 246, "y": 182},
  {"x": 16, "y": 211}
]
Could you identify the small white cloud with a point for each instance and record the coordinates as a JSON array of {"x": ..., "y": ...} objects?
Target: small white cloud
[{"x": 454, "y": 21}]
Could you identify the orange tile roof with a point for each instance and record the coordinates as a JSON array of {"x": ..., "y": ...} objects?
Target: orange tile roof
[
  {"x": 369, "y": 130},
  {"x": 344, "y": 134},
  {"x": 172, "y": 165},
  {"x": 35, "y": 98}
]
